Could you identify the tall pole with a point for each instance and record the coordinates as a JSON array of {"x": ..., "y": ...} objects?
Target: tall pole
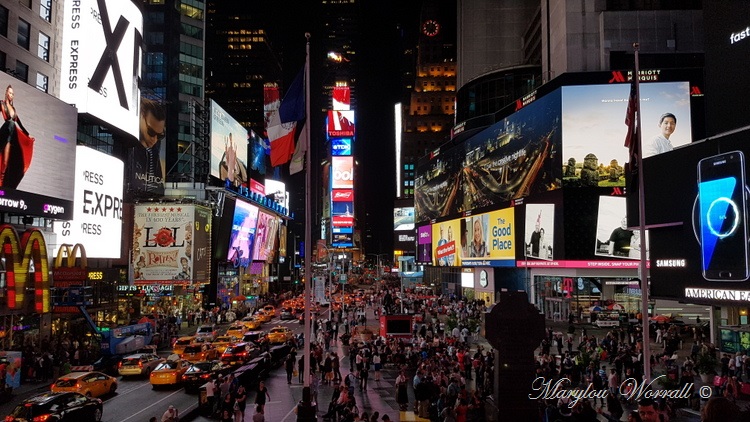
[
  {"x": 308, "y": 217},
  {"x": 642, "y": 269}
]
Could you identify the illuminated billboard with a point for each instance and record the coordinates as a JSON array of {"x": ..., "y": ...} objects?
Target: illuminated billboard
[
  {"x": 342, "y": 212},
  {"x": 146, "y": 157},
  {"x": 341, "y": 146},
  {"x": 242, "y": 237},
  {"x": 228, "y": 147},
  {"x": 488, "y": 239},
  {"x": 97, "y": 212},
  {"x": 613, "y": 238},
  {"x": 340, "y": 124},
  {"x": 342, "y": 173},
  {"x": 342, "y": 240},
  {"x": 593, "y": 129},
  {"x": 445, "y": 245},
  {"x": 540, "y": 231},
  {"x": 265, "y": 237},
  {"x": 102, "y": 49},
  {"x": 424, "y": 244},
  {"x": 278, "y": 190},
  {"x": 39, "y": 177},
  {"x": 403, "y": 219},
  {"x": 514, "y": 158},
  {"x": 165, "y": 249},
  {"x": 341, "y": 98}
]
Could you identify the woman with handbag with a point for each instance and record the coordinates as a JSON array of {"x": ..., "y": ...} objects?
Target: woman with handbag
[{"x": 240, "y": 403}]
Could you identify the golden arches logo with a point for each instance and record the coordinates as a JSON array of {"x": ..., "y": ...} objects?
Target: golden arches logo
[
  {"x": 19, "y": 254},
  {"x": 69, "y": 253}
]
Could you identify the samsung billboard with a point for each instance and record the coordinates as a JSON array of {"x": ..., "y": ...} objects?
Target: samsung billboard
[{"x": 101, "y": 60}]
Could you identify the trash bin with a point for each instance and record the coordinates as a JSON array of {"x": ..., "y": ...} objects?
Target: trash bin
[{"x": 204, "y": 406}]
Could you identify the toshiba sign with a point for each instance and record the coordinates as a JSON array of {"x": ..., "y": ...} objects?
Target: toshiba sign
[
  {"x": 340, "y": 195},
  {"x": 342, "y": 173}
]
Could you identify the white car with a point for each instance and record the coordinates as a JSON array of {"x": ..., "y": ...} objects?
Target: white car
[{"x": 206, "y": 333}]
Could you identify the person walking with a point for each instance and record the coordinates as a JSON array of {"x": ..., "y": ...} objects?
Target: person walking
[
  {"x": 240, "y": 399},
  {"x": 289, "y": 366},
  {"x": 261, "y": 396},
  {"x": 211, "y": 396}
]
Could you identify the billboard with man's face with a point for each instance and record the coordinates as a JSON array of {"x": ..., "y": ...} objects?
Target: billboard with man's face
[
  {"x": 228, "y": 147},
  {"x": 37, "y": 161}
]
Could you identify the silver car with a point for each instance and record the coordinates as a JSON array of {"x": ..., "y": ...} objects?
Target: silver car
[
  {"x": 206, "y": 333},
  {"x": 286, "y": 313},
  {"x": 139, "y": 364}
]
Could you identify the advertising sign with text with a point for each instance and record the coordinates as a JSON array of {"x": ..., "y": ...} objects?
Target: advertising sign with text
[
  {"x": 162, "y": 243},
  {"x": 342, "y": 173},
  {"x": 201, "y": 248},
  {"x": 228, "y": 147},
  {"x": 424, "y": 244},
  {"x": 445, "y": 244},
  {"x": 101, "y": 55},
  {"x": 341, "y": 146},
  {"x": 97, "y": 212},
  {"x": 340, "y": 124},
  {"x": 489, "y": 239}
]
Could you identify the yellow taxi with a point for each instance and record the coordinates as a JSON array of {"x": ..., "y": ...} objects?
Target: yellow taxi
[
  {"x": 270, "y": 309},
  {"x": 251, "y": 322},
  {"x": 236, "y": 331},
  {"x": 279, "y": 335},
  {"x": 221, "y": 342},
  {"x": 168, "y": 372},
  {"x": 264, "y": 316},
  {"x": 181, "y": 343},
  {"x": 90, "y": 384},
  {"x": 198, "y": 353}
]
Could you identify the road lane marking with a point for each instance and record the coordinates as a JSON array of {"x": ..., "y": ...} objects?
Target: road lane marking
[{"x": 152, "y": 405}]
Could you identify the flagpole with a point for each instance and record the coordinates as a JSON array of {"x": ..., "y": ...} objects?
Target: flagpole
[
  {"x": 642, "y": 267},
  {"x": 308, "y": 220}
]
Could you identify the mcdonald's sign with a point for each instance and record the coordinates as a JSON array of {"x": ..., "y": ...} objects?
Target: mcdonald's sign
[
  {"x": 65, "y": 269},
  {"x": 19, "y": 253}
]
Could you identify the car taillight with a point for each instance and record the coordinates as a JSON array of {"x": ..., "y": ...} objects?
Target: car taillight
[
  {"x": 184, "y": 377},
  {"x": 153, "y": 374},
  {"x": 119, "y": 365},
  {"x": 9, "y": 419},
  {"x": 78, "y": 385},
  {"x": 140, "y": 364},
  {"x": 41, "y": 418},
  {"x": 204, "y": 376}
]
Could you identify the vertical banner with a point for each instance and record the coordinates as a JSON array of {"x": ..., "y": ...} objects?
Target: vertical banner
[
  {"x": 201, "y": 247},
  {"x": 162, "y": 243}
]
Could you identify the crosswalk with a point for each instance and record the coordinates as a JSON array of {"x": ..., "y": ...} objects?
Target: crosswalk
[{"x": 284, "y": 321}]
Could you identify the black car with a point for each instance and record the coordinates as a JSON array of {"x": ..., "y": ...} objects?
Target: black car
[
  {"x": 57, "y": 407},
  {"x": 200, "y": 372},
  {"x": 108, "y": 364},
  {"x": 239, "y": 354}
]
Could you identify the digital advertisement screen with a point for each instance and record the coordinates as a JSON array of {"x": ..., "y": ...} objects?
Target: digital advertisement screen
[
  {"x": 513, "y": 158},
  {"x": 613, "y": 238},
  {"x": 403, "y": 219},
  {"x": 540, "y": 231},
  {"x": 342, "y": 240},
  {"x": 341, "y": 98},
  {"x": 424, "y": 244},
  {"x": 707, "y": 183},
  {"x": 445, "y": 246},
  {"x": 146, "y": 156},
  {"x": 102, "y": 53},
  {"x": 163, "y": 244},
  {"x": 488, "y": 239},
  {"x": 342, "y": 173},
  {"x": 340, "y": 124},
  {"x": 242, "y": 237},
  {"x": 278, "y": 190},
  {"x": 41, "y": 148},
  {"x": 342, "y": 213},
  {"x": 341, "y": 146},
  {"x": 265, "y": 237},
  {"x": 593, "y": 128},
  {"x": 228, "y": 147},
  {"x": 97, "y": 212}
]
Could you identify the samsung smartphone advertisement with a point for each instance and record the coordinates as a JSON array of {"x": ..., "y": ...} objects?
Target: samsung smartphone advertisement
[
  {"x": 228, "y": 147},
  {"x": 97, "y": 212},
  {"x": 101, "y": 54},
  {"x": 40, "y": 151},
  {"x": 703, "y": 255},
  {"x": 242, "y": 237}
]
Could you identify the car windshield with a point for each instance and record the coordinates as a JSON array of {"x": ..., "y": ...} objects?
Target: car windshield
[
  {"x": 193, "y": 349},
  {"x": 130, "y": 361},
  {"x": 251, "y": 337},
  {"x": 200, "y": 367},
  {"x": 205, "y": 329},
  {"x": 183, "y": 342},
  {"x": 234, "y": 349},
  {"x": 166, "y": 365},
  {"x": 66, "y": 382}
]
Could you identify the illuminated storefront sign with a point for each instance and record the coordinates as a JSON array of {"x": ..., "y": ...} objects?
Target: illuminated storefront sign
[{"x": 19, "y": 253}]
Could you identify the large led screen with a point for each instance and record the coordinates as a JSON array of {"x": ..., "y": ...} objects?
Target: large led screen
[
  {"x": 445, "y": 245},
  {"x": 488, "y": 239},
  {"x": 101, "y": 64},
  {"x": 37, "y": 171},
  {"x": 593, "y": 128},
  {"x": 242, "y": 237},
  {"x": 424, "y": 244},
  {"x": 516, "y": 157},
  {"x": 341, "y": 146},
  {"x": 342, "y": 173},
  {"x": 228, "y": 147},
  {"x": 613, "y": 237},
  {"x": 146, "y": 156},
  {"x": 265, "y": 237},
  {"x": 703, "y": 255},
  {"x": 540, "y": 231},
  {"x": 340, "y": 124},
  {"x": 97, "y": 213},
  {"x": 403, "y": 219}
]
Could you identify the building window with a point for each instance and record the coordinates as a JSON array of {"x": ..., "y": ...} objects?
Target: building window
[
  {"x": 22, "y": 71},
  {"x": 24, "y": 33},
  {"x": 45, "y": 10},
  {"x": 42, "y": 82},
  {"x": 3, "y": 21},
  {"x": 2, "y": 60},
  {"x": 43, "y": 50}
]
